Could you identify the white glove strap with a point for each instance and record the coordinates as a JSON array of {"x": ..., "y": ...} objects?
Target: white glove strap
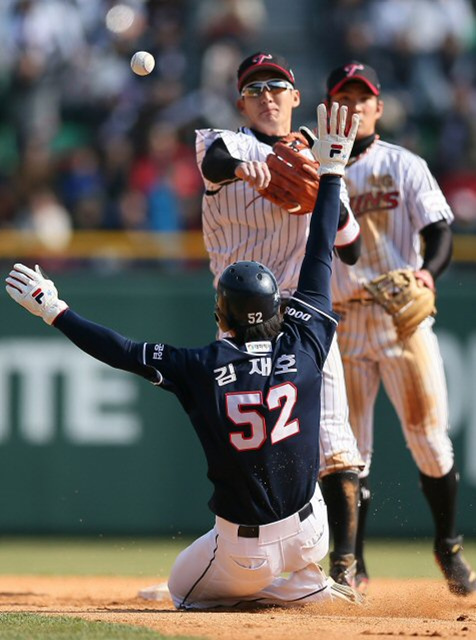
[
  {"x": 53, "y": 310},
  {"x": 349, "y": 232}
]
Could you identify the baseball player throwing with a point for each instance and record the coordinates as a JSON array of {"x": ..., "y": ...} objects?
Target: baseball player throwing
[
  {"x": 251, "y": 399},
  {"x": 398, "y": 203},
  {"x": 240, "y": 224}
]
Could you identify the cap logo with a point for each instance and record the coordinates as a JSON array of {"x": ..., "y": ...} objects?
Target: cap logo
[
  {"x": 261, "y": 58},
  {"x": 350, "y": 69}
]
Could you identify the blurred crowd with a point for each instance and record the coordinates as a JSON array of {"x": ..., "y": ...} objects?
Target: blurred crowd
[
  {"x": 86, "y": 144},
  {"x": 425, "y": 54}
]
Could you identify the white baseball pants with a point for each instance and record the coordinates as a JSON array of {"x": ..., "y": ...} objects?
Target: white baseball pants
[{"x": 223, "y": 569}]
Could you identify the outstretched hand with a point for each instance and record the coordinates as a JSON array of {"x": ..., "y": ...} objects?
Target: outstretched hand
[
  {"x": 333, "y": 145},
  {"x": 34, "y": 292}
]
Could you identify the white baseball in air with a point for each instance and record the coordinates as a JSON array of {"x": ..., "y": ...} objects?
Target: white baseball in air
[{"x": 142, "y": 63}]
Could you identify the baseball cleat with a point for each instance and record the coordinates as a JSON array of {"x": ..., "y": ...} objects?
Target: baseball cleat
[
  {"x": 460, "y": 577},
  {"x": 342, "y": 568},
  {"x": 343, "y": 592},
  {"x": 155, "y": 592}
]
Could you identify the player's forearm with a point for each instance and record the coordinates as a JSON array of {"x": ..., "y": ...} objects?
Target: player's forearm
[
  {"x": 102, "y": 343},
  {"x": 314, "y": 280},
  {"x": 438, "y": 247},
  {"x": 218, "y": 165},
  {"x": 348, "y": 241},
  {"x": 351, "y": 252}
]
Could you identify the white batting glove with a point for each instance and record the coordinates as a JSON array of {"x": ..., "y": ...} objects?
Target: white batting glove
[
  {"x": 34, "y": 292},
  {"x": 332, "y": 147}
]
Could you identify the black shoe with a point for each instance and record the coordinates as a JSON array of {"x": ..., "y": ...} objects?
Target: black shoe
[
  {"x": 361, "y": 575},
  {"x": 342, "y": 568},
  {"x": 460, "y": 577}
]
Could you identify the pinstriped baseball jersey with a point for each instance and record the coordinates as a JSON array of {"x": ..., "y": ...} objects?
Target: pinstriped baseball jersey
[
  {"x": 238, "y": 224},
  {"x": 394, "y": 196}
]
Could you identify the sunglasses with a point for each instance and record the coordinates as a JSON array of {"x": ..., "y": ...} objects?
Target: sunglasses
[{"x": 255, "y": 89}]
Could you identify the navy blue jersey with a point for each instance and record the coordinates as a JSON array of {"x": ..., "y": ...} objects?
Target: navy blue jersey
[
  {"x": 254, "y": 409},
  {"x": 255, "y": 406}
]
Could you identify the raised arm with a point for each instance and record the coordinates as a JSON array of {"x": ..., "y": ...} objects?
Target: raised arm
[{"x": 332, "y": 150}]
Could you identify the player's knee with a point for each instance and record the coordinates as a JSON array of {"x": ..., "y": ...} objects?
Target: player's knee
[
  {"x": 435, "y": 470},
  {"x": 176, "y": 590},
  {"x": 433, "y": 456},
  {"x": 180, "y": 578},
  {"x": 328, "y": 471}
]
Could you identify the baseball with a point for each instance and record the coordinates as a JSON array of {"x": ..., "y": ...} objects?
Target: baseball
[{"x": 142, "y": 63}]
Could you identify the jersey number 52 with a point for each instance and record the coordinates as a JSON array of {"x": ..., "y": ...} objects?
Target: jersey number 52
[{"x": 240, "y": 412}]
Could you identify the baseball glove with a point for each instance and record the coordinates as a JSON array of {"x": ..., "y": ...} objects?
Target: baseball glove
[
  {"x": 404, "y": 298},
  {"x": 294, "y": 179}
]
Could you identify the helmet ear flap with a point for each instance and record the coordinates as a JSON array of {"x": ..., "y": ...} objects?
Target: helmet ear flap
[{"x": 222, "y": 316}]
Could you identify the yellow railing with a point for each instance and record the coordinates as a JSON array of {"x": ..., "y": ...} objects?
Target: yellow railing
[
  {"x": 132, "y": 245},
  {"x": 135, "y": 245},
  {"x": 464, "y": 248}
]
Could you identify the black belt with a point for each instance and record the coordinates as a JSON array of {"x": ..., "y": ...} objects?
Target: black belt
[{"x": 252, "y": 530}]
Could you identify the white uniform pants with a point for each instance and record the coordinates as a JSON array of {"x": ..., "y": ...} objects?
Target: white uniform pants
[
  {"x": 337, "y": 444},
  {"x": 224, "y": 569},
  {"x": 413, "y": 376}
]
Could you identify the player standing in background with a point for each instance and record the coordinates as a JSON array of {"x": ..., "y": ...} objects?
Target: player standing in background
[
  {"x": 251, "y": 399},
  {"x": 398, "y": 204},
  {"x": 239, "y": 224}
]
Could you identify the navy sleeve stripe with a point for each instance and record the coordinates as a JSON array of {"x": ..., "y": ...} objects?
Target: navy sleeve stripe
[
  {"x": 230, "y": 343},
  {"x": 160, "y": 377}
]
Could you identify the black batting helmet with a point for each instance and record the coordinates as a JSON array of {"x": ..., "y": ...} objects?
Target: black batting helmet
[{"x": 248, "y": 294}]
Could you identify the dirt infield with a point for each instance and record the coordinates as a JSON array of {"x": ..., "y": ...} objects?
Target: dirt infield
[{"x": 403, "y": 608}]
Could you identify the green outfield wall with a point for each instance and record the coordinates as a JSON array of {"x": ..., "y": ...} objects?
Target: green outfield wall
[{"x": 85, "y": 449}]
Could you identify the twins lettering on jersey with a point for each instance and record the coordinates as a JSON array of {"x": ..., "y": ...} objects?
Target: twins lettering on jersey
[
  {"x": 260, "y": 366},
  {"x": 374, "y": 201},
  {"x": 382, "y": 195}
]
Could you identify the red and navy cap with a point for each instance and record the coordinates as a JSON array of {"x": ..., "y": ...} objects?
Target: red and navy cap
[
  {"x": 350, "y": 72},
  {"x": 261, "y": 61}
]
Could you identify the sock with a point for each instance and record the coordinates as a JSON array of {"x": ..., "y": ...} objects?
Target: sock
[
  {"x": 440, "y": 494},
  {"x": 365, "y": 497},
  {"x": 341, "y": 494}
]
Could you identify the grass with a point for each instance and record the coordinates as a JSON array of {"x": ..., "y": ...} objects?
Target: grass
[
  {"x": 154, "y": 557},
  {"x": 407, "y": 558},
  {"x": 30, "y": 626},
  {"x": 89, "y": 556}
]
